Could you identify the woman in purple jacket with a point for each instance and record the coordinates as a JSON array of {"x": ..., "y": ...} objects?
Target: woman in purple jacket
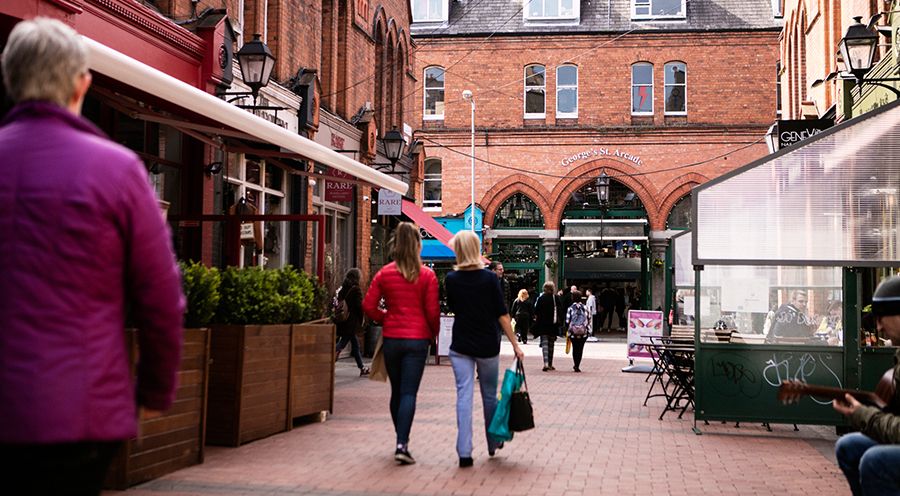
[{"x": 81, "y": 240}]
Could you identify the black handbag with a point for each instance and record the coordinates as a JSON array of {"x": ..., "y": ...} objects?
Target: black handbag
[{"x": 521, "y": 415}]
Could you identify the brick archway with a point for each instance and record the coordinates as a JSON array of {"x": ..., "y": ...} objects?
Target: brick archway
[
  {"x": 673, "y": 192},
  {"x": 518, "y": 183},
  {"x": 618, "y": 171}
]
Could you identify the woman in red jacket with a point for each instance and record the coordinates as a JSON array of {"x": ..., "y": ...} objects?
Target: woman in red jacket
[{"x": 410, "y": 319}]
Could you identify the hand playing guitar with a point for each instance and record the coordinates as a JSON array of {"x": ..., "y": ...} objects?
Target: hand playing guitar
[{"x": 846, "y": 406}]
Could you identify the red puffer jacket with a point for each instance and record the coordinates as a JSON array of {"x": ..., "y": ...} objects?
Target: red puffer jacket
[{"x": 412, "y": 307}]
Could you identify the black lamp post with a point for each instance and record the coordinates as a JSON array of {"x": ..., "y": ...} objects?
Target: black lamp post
[
  {"x": 857, "y": 49},
  {"x": 603, "y": 189},
  {"x": 256, "y": 63},
  {"x": 393, "y": 145}
]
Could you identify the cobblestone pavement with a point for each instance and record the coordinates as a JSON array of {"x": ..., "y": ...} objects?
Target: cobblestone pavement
[{"x": 593, "y": 436}]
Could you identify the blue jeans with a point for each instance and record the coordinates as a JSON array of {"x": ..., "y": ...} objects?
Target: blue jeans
[
  {"x": 464, "y": 372},
  {"x": 871, "y": 468},
  {"x": 354, "y": 348},
  {"x": 404, "y": 360}
]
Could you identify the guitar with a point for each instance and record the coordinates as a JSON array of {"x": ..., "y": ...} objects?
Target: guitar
[{"x": 791, "y": 392}]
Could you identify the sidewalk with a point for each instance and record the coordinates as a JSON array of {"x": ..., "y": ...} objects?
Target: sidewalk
[{"x": 592, "y": 437}]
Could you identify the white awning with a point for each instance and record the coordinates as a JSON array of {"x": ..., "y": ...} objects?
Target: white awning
[{"x": 125, "y": 69}]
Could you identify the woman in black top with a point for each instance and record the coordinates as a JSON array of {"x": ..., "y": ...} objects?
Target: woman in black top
[
  {"x": 548, "y": 321},
  {"x": 348, "y": 329},
  {"x": 523, "y": 312},
  {"x": 476, "y": 299}
]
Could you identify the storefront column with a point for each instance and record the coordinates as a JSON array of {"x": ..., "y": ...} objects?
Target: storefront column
[
  {"x": 658, "y": 248},
  {"x": 551, "y": 251}
]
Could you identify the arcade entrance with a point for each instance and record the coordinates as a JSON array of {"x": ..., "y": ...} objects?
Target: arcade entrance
[{"x": 604, "y": 241}]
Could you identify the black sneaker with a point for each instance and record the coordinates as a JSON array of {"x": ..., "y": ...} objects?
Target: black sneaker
[
  {"x": 466, "y": 462},
  {"x": 403, "y": 457}
]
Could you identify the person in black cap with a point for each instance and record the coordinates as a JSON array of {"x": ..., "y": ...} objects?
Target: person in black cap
[{"x": 870, "y": 458}]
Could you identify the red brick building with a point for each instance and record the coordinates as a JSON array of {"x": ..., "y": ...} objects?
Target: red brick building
[
  {"x": 341, "y": 77},
  {"x": 657, "y": 96}
]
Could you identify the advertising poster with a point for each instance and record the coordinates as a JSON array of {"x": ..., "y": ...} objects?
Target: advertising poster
[
  {"x": 445, "y": 335},
  {"x": 641, "y": 325}
]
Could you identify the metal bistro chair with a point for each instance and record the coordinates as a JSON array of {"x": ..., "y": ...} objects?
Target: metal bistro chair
[{"x": 678, "y": 364}]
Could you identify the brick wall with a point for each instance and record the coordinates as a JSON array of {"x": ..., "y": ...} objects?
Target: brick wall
[{"x": 730, "y": 103}]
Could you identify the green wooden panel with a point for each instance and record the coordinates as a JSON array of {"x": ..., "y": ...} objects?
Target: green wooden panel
[
  {"x": 740, "y": 382},
  {"x": 875, "y": 361}
]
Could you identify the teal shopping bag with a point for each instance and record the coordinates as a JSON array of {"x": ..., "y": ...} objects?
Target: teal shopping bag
[{"x": 499, "y": 428}]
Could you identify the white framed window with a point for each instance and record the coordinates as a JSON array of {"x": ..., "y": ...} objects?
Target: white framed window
[
  {"x": 552, "y": 9},
  {"x": 778, "y": 88},
  {"x": 429, "y": 10},
  {"x": 261, "y": 186},
  {"x": 676, "y": 88},
  {"x": 339, "y": 232},
  {"x": 432, "y": 199},
  {"x": 535, "y": 92},
  {"x": 567, "y": 91},
  {"x": 658, "y": 9},
  {"x": 434, "y": 94},
  {"x": 642, "y": 89}
]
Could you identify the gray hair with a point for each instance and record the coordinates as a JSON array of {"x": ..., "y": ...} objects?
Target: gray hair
[{"x": 42, "y": 60}]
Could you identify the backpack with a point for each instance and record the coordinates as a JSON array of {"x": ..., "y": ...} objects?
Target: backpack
[
  {"x": 578, "y": 326},
  {"x": 340, "y": 312}
]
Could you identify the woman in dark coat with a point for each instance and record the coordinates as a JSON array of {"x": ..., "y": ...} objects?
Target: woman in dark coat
[
  {"x": 547, "y": 310},
  {"x": 523, "y": 312},
  {"x": 348, "y": 329}
]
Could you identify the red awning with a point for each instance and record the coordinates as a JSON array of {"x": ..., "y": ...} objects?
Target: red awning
[{"x": 427, "y": 222}]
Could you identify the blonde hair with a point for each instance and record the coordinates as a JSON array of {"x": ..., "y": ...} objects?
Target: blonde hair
[
  {"x": 549, "y": 287},
  {"x": 523, "y": 294},
  {"x": 405, "y": 249},
  {"x": 42, "y": 60},
  {"x": 467, "y": 248}
]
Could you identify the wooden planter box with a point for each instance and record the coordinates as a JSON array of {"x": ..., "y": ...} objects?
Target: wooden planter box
[
  {"x": 312, "y": 367},
  {"x": 248, "y": 383},
  {"x": 174, "y": 440}
]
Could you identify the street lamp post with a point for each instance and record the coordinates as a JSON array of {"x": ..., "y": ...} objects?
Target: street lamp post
[{"x": 467, "y": 95}]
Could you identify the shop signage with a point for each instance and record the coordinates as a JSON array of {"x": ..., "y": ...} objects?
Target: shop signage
[
  {"x": 389, "y": 202},
  {"x": 338, "y": 191},
  {"x": 792, "y": 132},
  {"x": 599, "y": 153}
]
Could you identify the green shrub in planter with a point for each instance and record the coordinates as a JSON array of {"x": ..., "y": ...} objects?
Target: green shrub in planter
[
  {"x": 201, "y": 290},
  {"x": 250, "y": 296},
  {"x": 256, "y": 296}
]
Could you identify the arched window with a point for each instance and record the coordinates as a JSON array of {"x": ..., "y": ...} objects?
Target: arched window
[
  {"x": 535, "y": 86},
  {"x": 680, "y": 215},
  {"x": 518, "y": 212},
  {"x": 567, "y": 91},
  {"x": 432, "y": 184},
  {"x": 642, "y": 89},
  {"x": 434, "y": 93},
  {"x": 676, "y": 88}
]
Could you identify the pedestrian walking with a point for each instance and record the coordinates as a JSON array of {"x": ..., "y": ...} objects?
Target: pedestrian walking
[
  {"x": 410, "y": 320},
  {"x": 348, "y": 329},
  {"x": 82, "y": 239},
  {"x": 475, "y": 297},
  {"x": 547, "y": 322},
  {"x": 578, "y": 328},
  {"x": 523, "y": 312},
  {"x": 591, "y": 305}
]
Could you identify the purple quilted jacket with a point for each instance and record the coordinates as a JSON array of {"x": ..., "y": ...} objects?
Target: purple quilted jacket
[{"x": 81, "y": 239}]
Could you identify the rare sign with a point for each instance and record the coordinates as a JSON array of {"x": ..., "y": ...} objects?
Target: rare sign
[
  {"x": 338, "y": 191},
  {"x": 389, "y": 202}
]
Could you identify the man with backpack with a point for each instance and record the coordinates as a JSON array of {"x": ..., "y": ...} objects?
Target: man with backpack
[
  {"x": 578, "y": 327},
  {"x": 346, "y": 313}
]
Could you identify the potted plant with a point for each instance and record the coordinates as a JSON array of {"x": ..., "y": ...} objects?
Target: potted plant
[
  {"x": 256, "y": 353},
  {"x": 175, "y": 440},
  {"x": 312, "y": 345}
]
